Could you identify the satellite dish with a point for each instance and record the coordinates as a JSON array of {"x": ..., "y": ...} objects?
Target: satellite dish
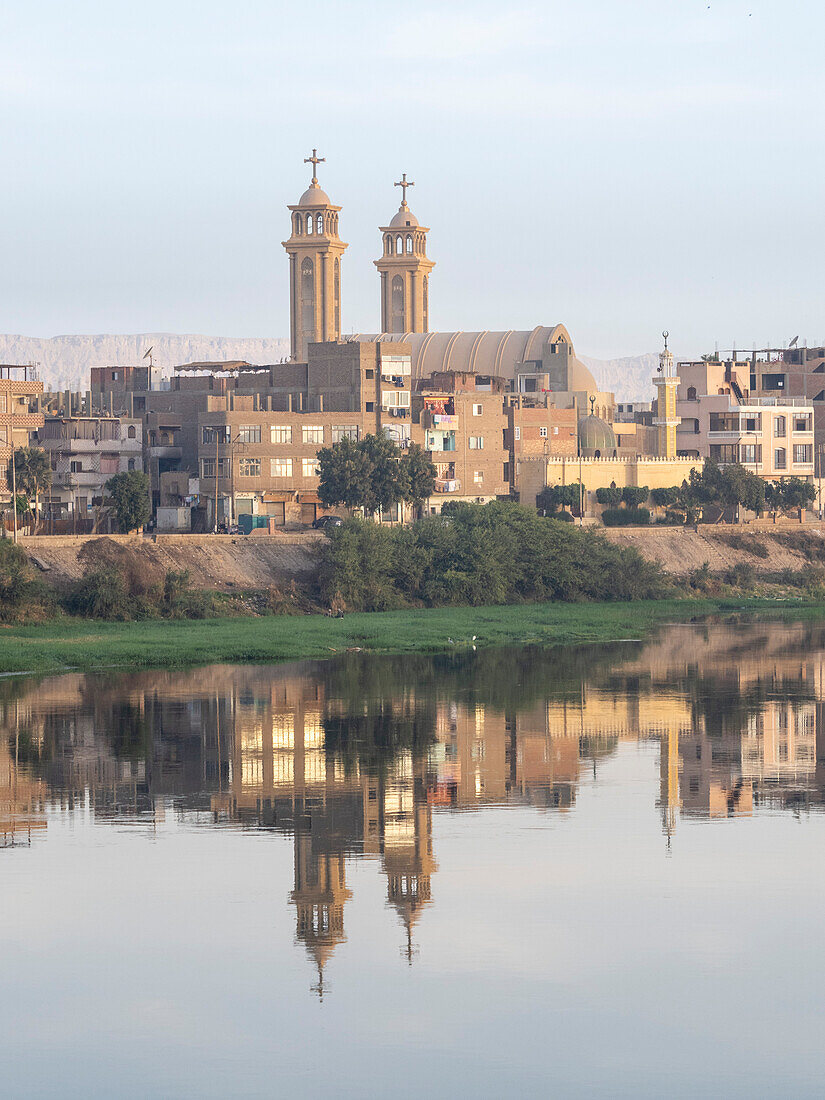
[
  {"x": 793, "y": 342},
  {"x": 149, "y": 352}
]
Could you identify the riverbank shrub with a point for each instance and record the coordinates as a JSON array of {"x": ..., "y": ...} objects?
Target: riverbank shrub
[
  {"x": 22, "y": 594},
  {"x": 497, "y": 553}
]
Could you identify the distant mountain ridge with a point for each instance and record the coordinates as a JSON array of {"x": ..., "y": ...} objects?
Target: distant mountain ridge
[{"x": 64, "y": 361}]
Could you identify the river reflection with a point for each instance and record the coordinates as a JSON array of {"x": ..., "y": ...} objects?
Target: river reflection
[{"x": 354, "y": 759}]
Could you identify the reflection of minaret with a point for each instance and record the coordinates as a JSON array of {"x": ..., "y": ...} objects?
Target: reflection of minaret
[
  {"x": 319, "y": 895},
  {"x": 669, "y": 764},
  {"x": 408, "y": 849}
]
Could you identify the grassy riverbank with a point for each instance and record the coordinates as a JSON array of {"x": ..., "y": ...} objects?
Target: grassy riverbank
[{"x": 63, "y": 644}]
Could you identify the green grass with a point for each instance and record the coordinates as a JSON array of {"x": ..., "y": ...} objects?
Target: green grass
[{"x": 62, "y": 644}]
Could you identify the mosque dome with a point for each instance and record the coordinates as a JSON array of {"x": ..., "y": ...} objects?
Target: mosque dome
[
  {"x": 314, "y": 196},
  {"x": 404, "y": 218},
  {"x": 579, "y": 377},
  {"x": 596, "y": 437}
]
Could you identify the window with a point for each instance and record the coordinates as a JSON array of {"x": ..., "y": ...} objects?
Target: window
[
  {"x": 131, "y": 464},
  {"x": 779, "y": 427},
  {"x": 476, "y": 442},
  {"x": 319, "y": 224},
  {"x": 215, "y": 433},
  {"x": 312, "y": 433},
  {"x": 249, "y": 433},
  {"x": 280, "y": 467},
  {"x": 518, "y": 433},
  {"x": 803, "y": 453},
  {"x": 543, "y": 433},
  {"x": 249, "y": 467},
  {"x": 131, "y": 432},
  {"x": 478, "y": 477},
  {"x": 780, "y": 458},
  {"x": 298, "y": 224},
  {"x": 369, "y": 406},
  {"x": 75, "y": 467},
  {"x": 478, "y": 410},
  {"x": 344, "y": 431},
  {"x": 309, "y": 467},
  {"x": 750, "y": 454},
  {"x": 409, "y": 244},
  {"x": 208, "y": 467},
  {"x": 691, "y": 393},
  {"x": 395, "y": 399},
  {"x": 399, "y": 246},
  {"x": 309, "y": 223},
  {"x": 802, "y": 422},
  {"x": 369, "y": 373},
  {"x": 752, "y": 423},
  {"x": 280, "y": 433}
]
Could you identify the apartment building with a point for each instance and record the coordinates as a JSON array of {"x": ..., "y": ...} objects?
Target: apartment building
[
  {"x": 19, "y": 415},
  {"x": 536, "y": 429},
  {"x": 463, "y": 419},
  {"x": 771, "y": 435},
  {"x": 85, "y": 451}
]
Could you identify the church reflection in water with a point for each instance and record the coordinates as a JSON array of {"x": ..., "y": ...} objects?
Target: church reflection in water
[{"x": 353, "y": 758}]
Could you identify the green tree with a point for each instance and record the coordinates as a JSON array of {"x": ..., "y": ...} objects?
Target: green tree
[
  {"x": 635, "y": 495},
  {"x": 387, "y": 478},
  {"x": 610, "y": 495},
  {"x": 553, "y": 497},
  {"x": 129, "y": 496},
  {"x": 344, "y": 471},
  {"x": 665, "y": 498},
  {"x": 33, "y": 475},
  {"x": 419, "y": 473},
  {"x": 789, "y": 494}
]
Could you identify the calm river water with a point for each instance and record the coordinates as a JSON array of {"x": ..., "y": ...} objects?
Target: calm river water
[{"x": 594, "y": 871}]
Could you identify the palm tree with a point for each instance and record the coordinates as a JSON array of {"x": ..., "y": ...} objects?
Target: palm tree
[{"x": 33, "y": 473}]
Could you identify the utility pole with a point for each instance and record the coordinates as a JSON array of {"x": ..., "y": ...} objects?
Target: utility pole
[
  {"x": 216, "y": 480},
  {"x": 13, "y": 493}
]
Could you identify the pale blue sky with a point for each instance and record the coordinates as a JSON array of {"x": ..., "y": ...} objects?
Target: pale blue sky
[{"x": 620, "y": 167}]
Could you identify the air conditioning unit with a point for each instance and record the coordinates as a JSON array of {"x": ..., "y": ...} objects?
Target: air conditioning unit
[{"x": 479, "y": 500}]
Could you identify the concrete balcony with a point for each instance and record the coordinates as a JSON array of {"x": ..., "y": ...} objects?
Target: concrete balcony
[
  {"x": 447, "y": 485},
  {"x": 165, "y": 452}
]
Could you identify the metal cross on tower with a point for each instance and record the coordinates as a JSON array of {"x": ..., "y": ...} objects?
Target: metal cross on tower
[
  {"x": 315, "y": 160},
  {"x": 404, "y": 183}
]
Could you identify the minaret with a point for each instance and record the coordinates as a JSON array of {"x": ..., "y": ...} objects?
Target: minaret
[
  {"x": 405, "y": 270},
  {"x": 666, "y": 420},
  {"x": 315, "y": 252},
  {"x": 319, "y": 896}
]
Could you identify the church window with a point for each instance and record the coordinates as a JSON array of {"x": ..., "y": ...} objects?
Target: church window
[
  {"x": 336, "y": 294},
  {"x": 409, "y": 244},
  {"x": 399, "y": 246},
  {"x": 307, "y": 299},
  {"x": 298, "y": 224},
  {"x": 397, "y": 303},
  {"x": 319, "y": 224},
  {"x": 309, "y": 223}
]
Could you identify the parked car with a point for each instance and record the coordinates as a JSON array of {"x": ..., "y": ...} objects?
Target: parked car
[{"x": 323, "y": 522}]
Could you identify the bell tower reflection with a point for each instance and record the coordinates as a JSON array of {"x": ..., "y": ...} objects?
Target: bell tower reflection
[{"x": 319, "y": 896}]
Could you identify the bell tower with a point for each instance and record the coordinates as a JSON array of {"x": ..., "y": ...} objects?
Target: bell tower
[
  {"x": 405, "y": 270},
  {"x": 315, "y": 250}
]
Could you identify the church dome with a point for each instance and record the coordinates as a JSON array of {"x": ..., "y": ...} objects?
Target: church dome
[
  {"x": 404, "y": 218},
  {"x": 579, "y": 377},
  {"x": 596, "y": 435},
  {"x": 314, "y": 196}
]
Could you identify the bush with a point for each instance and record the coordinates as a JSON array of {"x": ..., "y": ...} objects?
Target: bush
[
  {"x": 22, "y": 594},
  {"x": 626, "y": 517},
  {"x": 635, "y": 495},
  {"x": 742, "y": 575},
  {"x": 101, "y": 594},
  {"x": 564, "y": 517},
  {"x": 609, "y": 495},
  {"x": 488, "y": 554}
]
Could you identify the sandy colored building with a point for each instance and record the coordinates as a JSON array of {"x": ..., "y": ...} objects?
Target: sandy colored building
[{"x": 20, "y": 416}]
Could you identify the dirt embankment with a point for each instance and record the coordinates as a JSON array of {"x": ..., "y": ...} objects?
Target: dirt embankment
[
  {"x": 228, "y": 563},
  {"x": 767, "y": 549},
  {"x": 217, "y": 562}
]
